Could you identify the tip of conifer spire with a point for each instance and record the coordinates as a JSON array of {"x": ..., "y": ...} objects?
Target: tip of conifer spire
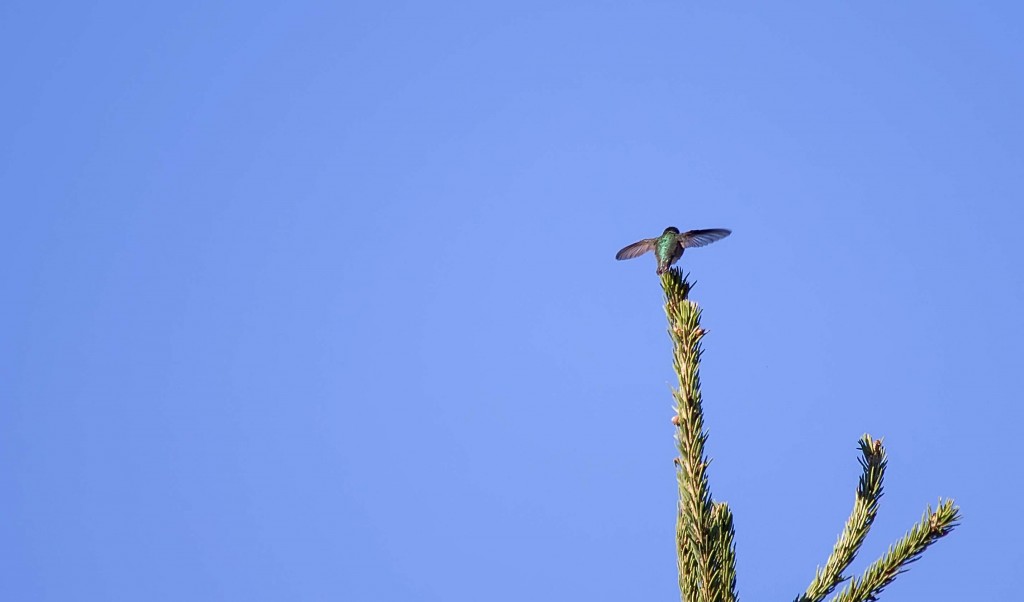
[{"x": 676, "y": 284}]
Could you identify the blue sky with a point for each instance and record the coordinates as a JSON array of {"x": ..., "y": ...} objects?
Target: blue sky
[{"x": 317, "y": 301}]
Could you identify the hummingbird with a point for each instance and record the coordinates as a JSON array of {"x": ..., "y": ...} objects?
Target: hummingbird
[{"x": 668, "y": 247}]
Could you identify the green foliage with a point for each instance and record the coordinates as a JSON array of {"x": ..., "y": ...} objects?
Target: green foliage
[
  {"x": 705, "y": 537},
  {"x": 704, "y": 531},
  {"x": 865, "y": 508},
  {"x": 934, "y": 525}
]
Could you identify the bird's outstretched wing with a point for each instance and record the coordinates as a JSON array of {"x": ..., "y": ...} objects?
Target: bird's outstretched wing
[
  {"x": 636, "y": 249},
  {"x": 699, "y": 238}
]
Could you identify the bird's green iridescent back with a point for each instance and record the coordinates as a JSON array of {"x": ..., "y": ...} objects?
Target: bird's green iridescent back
[{"x": 667, "y": 248}]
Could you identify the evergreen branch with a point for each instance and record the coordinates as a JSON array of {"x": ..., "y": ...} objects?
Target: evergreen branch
[
  {"x": 705, "y": 535},
  {"x": 725, "y": 550},
  {"x": 705, "y": 574},
  {"x": 687, "y": 564},
  {"x": 865, "y": 508},
  {"x": 934, "y": 525}
]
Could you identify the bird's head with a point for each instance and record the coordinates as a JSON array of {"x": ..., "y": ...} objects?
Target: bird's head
[{"x": 670, "y": 230}]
